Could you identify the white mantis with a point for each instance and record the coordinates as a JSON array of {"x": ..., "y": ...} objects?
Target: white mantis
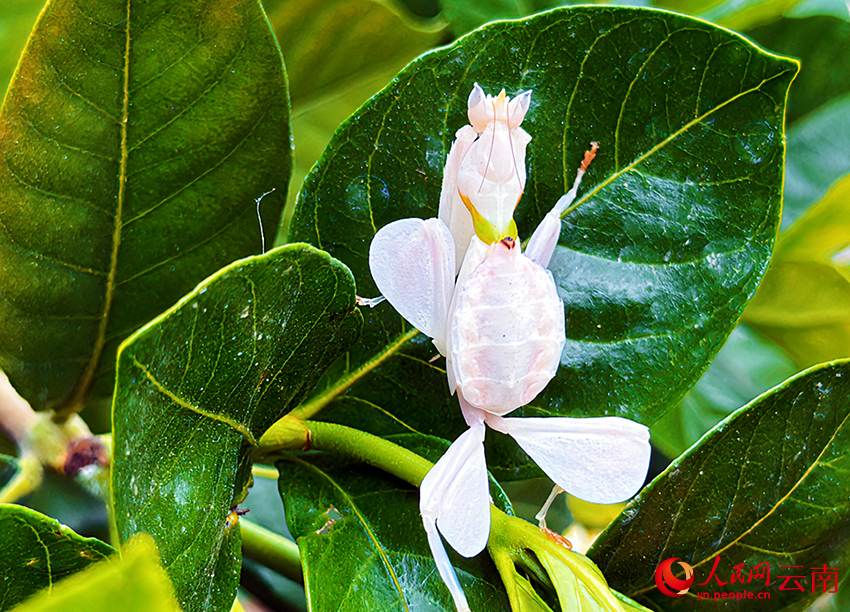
[{"x": 500, "y": 325}]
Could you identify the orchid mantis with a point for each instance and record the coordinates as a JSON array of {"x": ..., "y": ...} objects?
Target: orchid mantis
[{"x": 495, "y": 314}]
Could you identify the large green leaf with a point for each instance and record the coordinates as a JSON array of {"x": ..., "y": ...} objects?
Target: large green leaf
[
  {"x": 134, "y": 582},
  {"x": 37, "y": 552},
  {"x": 768, "y": 485},
  {"x": 675, "y": 226},
  {"x": 361, "y": 539},
  {"x": 199, "y": 385},
  {"x": 803, "y": 302},
  {"x": 339, "y": 53},
  {"x": 748, "y": 365},
  {"x": 135, "y": 137}
]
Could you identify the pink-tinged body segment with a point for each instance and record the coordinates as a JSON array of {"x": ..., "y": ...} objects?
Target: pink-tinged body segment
[{"x": 507, "y": 333}]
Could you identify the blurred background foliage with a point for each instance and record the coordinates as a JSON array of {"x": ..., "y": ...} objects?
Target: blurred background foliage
[{"x": 339, "y": 53}]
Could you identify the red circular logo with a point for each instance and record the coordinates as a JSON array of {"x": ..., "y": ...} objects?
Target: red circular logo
[{"x": 665, "y": 580}]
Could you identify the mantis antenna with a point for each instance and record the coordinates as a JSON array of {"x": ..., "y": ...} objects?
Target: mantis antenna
[{"x": 260, "y": 220}]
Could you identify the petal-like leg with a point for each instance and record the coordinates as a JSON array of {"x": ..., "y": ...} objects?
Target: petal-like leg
[
  {"x": 456, "y": 494},
  {"x": 413, "y": 264},
  {"x": 545, "y": 238},
  {"x": 454, "y": 500},
  {"x": 601, "y": 460}
]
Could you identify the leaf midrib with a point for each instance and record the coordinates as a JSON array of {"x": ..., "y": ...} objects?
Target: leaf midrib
[{"x": 85, "y": 381}]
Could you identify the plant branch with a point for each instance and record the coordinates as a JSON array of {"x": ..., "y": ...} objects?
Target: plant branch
[{"x": 272, "y": 550}]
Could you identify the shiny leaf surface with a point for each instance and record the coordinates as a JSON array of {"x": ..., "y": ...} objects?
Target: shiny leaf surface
[
  {"x": 199, "y": 385},
  {"x": 768, "y": 485},
  {"x": 38, "y": 552},
  {"x": 675, "y": 225},
  {"x": 122, "y": 135}
]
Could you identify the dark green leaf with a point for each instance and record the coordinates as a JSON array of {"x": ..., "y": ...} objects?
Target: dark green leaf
[
  {"x": 134, "y": 582},
  {"x": 768, "y": 485},
  {"x": 199, "y": 385},
  {"x": 135, "y": 139},
  {"x": 748, "y": 365},
  {"x": 362, "y": 542},
  {"x": 817, "y": 157},
  {"x": 677, "y": 219},
  {"x": 37, "y": 552},
  {"x": 803, "y": 302},
  {"x": 822, "y": 43},
  {"x": 339, "y": 53}
]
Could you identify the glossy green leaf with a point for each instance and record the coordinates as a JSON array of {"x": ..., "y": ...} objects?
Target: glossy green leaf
[
  {"x": 768, "y": 485},
  {"x": 748, "y": 365},
  {"x": 339, "y": 53},
  {"x": 822, "y": 43},
  {"x": 818, "y": 156},
  {"x": 199, "y": 385},
  {"x": 675, "y": 226},
  {"x": 362, "y": 542},
  {"x": 37, "y": 552},
  {"x": 135, "y": 139},
  {"x": 803, "y": 302},
  {"x": 135, "y": 582}
]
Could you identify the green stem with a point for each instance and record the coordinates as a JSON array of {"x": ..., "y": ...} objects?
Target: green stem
[
  {"x": 272, "y": 550},
  {"x": 370, "y": 449}
]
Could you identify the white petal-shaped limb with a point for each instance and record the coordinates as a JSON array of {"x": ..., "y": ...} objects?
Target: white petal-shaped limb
[
  {"x": 456, "y": 494},
  {"x": 601, "y": 460},
  {"x": 454, "y": 498},
  {"x": 413, "y": 264}
]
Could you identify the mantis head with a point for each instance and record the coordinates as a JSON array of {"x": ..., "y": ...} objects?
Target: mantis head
[{"x": 485, "y": 108}]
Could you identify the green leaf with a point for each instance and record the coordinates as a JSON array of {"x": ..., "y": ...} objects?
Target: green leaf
[
  {"x": 199, "y": 385},
  {"x": 817, "y": 157},
  {"x": 748, "y": 365},
  {"x": 362, "y": 542},
  {"x": 822, "y": 43},
  {"x": 676, "y": 221},
  {"x": 133, "y": 583},
  {"x": 339, "y": 53},
  {"x": 37, "y": 552},
  {"x": 768, "y": 485},
  {"x": 802, "y": 303},
  {"x": 134, "y": 145}
]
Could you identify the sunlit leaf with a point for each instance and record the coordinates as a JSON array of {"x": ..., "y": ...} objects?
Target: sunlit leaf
[{"x": 135, "y": 138}]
